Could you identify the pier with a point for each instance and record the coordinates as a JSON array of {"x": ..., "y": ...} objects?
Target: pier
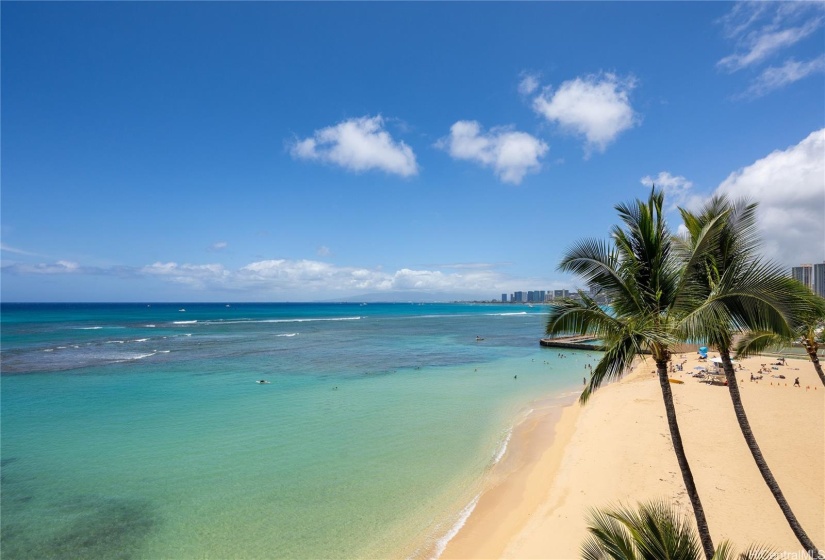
[{"x": 574, "y": 342}]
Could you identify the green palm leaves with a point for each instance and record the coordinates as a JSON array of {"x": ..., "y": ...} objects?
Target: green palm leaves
[
  {"x": 652, "y": 531},
  {"x": 640, "y": 273},
  {"x": 708, "y": 285}
]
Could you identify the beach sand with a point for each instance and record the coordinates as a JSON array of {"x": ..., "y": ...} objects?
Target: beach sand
[{"x": 617, "y": 449}]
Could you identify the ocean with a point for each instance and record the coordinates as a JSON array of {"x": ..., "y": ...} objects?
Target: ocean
[{"x": 141, "y": 431}]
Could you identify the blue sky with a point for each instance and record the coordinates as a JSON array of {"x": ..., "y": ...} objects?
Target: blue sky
[{"x": 307, "y": 151}]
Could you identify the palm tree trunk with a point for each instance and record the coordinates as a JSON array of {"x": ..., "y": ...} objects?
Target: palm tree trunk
[
  {"x": 687, "y": 475},
  {"x": 817, "y": 365},
  {"x": 762, "y": 465}
]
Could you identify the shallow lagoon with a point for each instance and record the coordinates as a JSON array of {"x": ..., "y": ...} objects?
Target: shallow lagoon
[{"x": 132, "y": 431}]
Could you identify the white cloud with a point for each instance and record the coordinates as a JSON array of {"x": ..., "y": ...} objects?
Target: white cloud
[
  {"x": 776, "y": 77},
  {"x": 219, "y": 246},
  {"x": 762, "y": 30},
  {"x": 529, "y": 83},
  {"x": 8, "y": 249},
  {"x": 510, "y": 153},
  {"x": 678, "y": 190},
  {"x": 596, "y": 107},
  {"x": 194, "y": 275},
  {"x": 59, "y": 267},
  {"x": 789, "y": 186},
  {"x": 324, "y": 251},
  {"x": 358, "y": 145},
  {"x": 303, "y": 279},
  {"x": 763, "y": 43}
]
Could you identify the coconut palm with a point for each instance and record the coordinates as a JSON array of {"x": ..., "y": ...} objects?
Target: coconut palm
[
  {"x": 644, "y": 282},
  {"x": 742, "y": 293},
  {"x": 652, "y": 531}
]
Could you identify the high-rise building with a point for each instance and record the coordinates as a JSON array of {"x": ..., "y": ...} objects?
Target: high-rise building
[
  {"x": 519, "y": 297},
  {"x": 819, "y": 279},
  {"x": 503, "y": 298},
  {"x": 804, "y": 274},
  {"x": 536, "y": 296}
]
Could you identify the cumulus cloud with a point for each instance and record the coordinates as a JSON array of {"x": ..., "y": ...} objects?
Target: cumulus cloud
[
  {"x": 511, "y": 154},
  {"x": 302, "y": 279},
  {"x": 596, "y": 107},
  {"x": 358, "y": 145},
  {"x": 789, "y": 186}
]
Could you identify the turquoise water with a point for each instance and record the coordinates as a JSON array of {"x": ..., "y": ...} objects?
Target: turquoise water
[{"x": 139, "y": 431}]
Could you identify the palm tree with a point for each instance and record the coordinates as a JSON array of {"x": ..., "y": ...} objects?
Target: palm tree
[
  {"x": 742, "y": 293},
  {"x": 643, "y": 280},
  {"x": 810, "y": 332},
  {"x": 653, "y": 531}
]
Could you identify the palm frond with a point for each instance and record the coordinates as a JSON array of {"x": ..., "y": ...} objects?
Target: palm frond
[
  {"x": 759, "y": 552},
  {"x": 608, "y": 539},
  {"x": 756, "y": 342},
  {"x": 584, "y": 316}
]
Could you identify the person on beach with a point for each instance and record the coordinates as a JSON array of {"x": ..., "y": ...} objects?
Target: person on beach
[{"x": 796, "y": 383}]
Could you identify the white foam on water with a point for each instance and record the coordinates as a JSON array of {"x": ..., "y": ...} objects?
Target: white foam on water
[
  {"x": 503, "y": 448},
  {"x": 287, "y": 334},
  {"x": 252, "y": 321},
  {"x": 149, "y": 326},
  {"x": 507, "y": 314},
  {"x": 441, "y": 544},
  {"x": 184, "y": 322},
  {"x": 134, "y": 357},
  {"x": 140, "y": 340}
]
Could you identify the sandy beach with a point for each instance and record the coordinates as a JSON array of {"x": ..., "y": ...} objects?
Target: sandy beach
[{"x": 617, "y": 449}]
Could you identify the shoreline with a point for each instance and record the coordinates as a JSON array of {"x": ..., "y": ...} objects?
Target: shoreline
[
  {"x": 504, "y": 506},
  {"x": 616, "y": 449}
]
